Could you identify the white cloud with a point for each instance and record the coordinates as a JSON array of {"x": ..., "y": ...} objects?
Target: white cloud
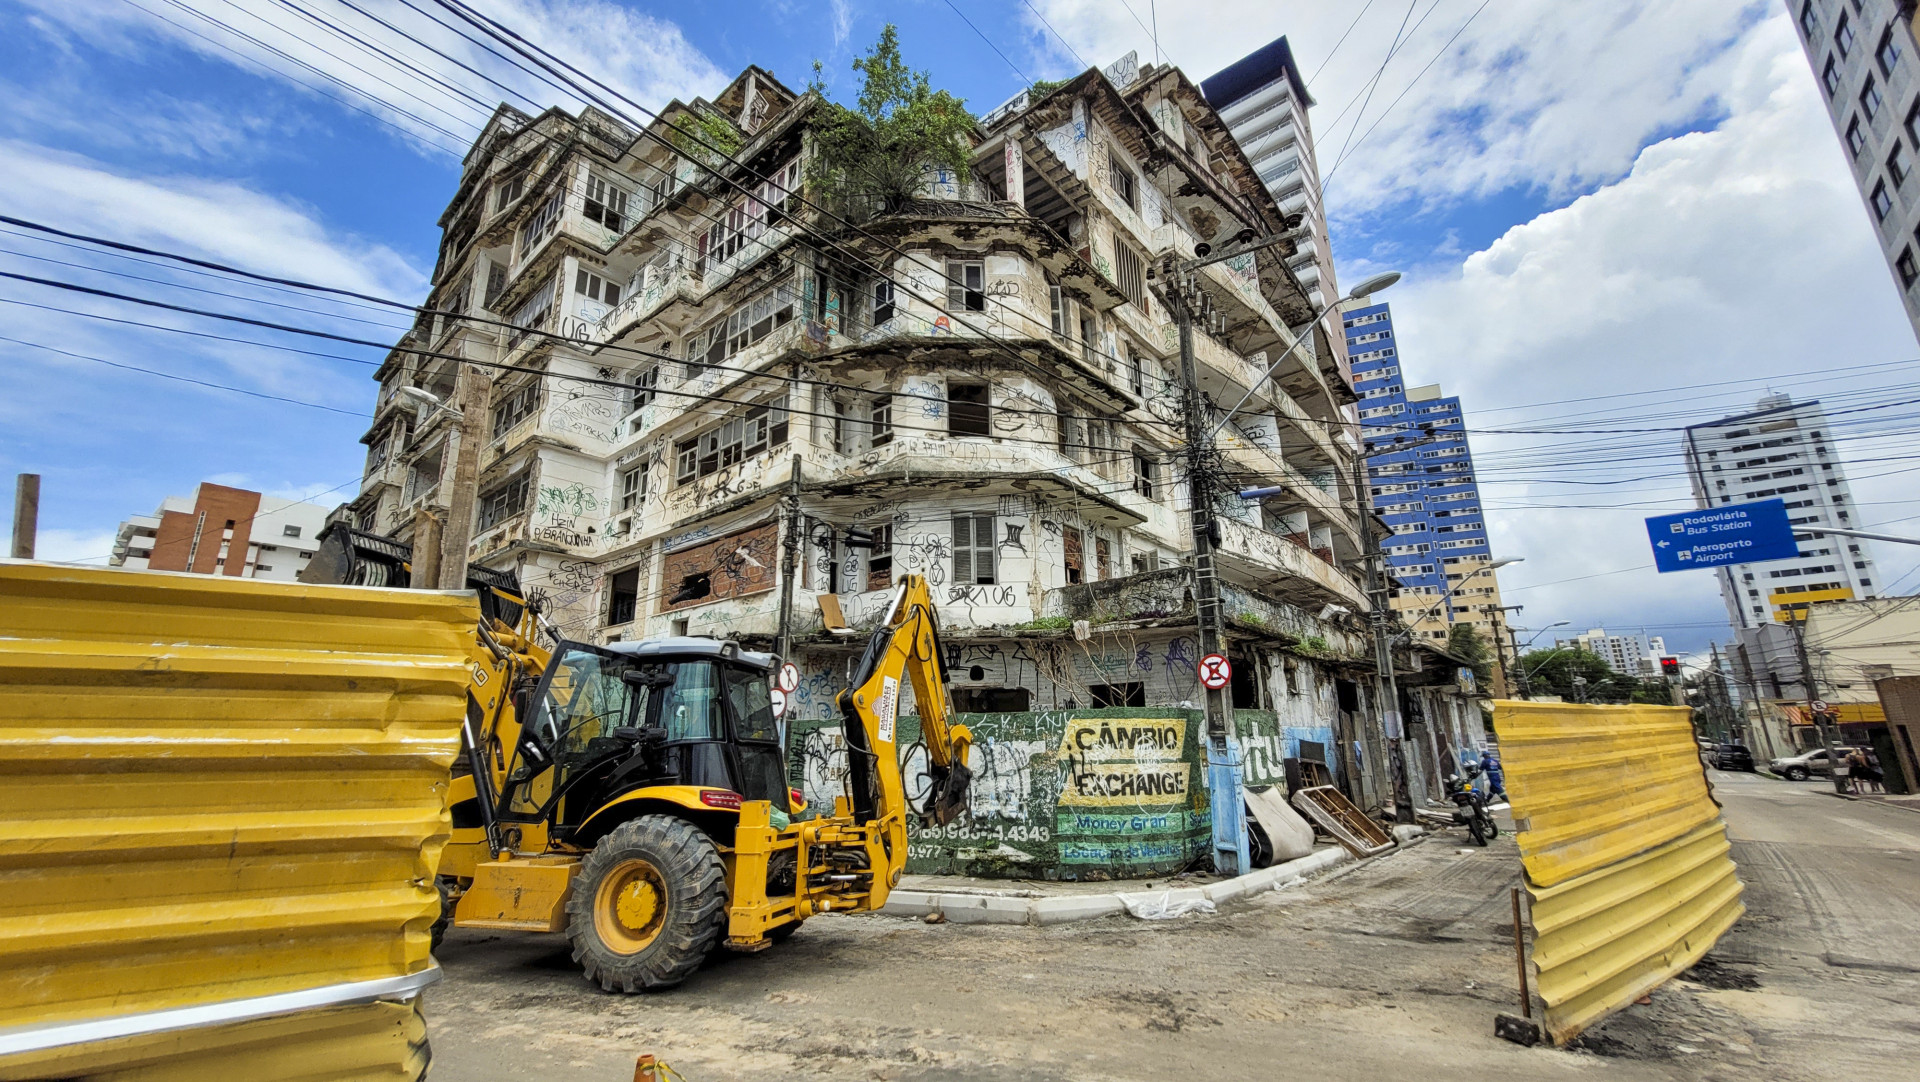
[
  {"x": 213, "y": 219},
  {"x": 1536, "y": 93},
  {"x": 74, "y": 546},
  {"x": 413, "y": 71},
  {"x": 1721, "y": 255}
]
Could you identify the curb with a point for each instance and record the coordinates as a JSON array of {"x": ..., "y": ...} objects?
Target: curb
[{"x": 1044, "y": 912}]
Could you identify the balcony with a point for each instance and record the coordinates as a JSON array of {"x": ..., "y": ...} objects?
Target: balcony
[
  {"x": 656, "y": 291},
  {"x": 1274, "y": 564},
  {"x": 1165, "y": 597}
]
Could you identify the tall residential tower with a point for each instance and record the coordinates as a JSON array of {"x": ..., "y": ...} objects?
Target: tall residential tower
[
  {"x": 1864, "y": 62},
  {"x": 1428, "y": 495},
  {"x": 1783, "y": 450},
  {"x": 1264, "y": 102}
]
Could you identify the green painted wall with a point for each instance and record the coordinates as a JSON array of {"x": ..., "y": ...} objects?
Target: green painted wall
[{"x": 1066, "y": 794}]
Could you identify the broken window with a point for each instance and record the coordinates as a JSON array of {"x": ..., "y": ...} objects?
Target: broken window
[
  {"x": 646, "y": 386},
  {"x": 969, "y": 412},
  {"x": 759, "y": 317},
  {"x": 541, "y": 224},
  {"x": 503, "y": 501},
  {"x": 1103, "y": 558},
  {"x": 606, "y": 203},
  {"x": 633, "y": 487},
  {"x": 973, "y": 550},
  {"x": 623, "y": 595},
  {"x": 593, "y": 287},
  {"x": 1145, "y": 473},
  {"x": 1057, "y": 303},
  {"x": 1128, "y": 694},
  {"x": 880, "y": 559},
  {"x": 1121, "y": 180},
  {"x": 506, "y": 190},
  {"x": 880, "y": 421},
  {"x": 966, "y": 286},
  {"x": 737, "y": 439},
  {"x": 1073, "y": 545},
  {"x": 882, "y": 302},
  {"x": 1136, "y": 372},
  {"x": 534, "y": 313},
  {"x": 517, "y": 405}
]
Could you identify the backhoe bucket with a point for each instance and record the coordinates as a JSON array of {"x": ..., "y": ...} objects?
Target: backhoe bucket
[{"x": 948, "y": 795}]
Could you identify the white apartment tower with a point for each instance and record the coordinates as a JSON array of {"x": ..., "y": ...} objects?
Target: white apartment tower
[
  {"x": 1864, "y": 62},
  {"x": 1629, "y": 655},
  {"x": 1782, "y": 449},
  {"x": 1263, "y": 101}
]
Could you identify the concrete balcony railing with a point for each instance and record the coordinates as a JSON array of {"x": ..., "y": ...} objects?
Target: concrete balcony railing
[
  {"x": 1279, "y": 604},
  {"x": 677, "y": 283},
  {"x": 1268, "y": 561},
  {"x": 1263, "y": 462}
]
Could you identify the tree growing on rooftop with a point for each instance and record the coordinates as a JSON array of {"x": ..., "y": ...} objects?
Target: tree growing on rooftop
[{"x": 873, "y": 158}]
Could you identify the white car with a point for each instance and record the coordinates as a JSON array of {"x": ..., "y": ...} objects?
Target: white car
[{"x": 1806, "y": 764}]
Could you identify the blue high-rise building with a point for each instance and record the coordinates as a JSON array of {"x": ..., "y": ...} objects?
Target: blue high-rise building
[{"x": 1427, "y": 494}]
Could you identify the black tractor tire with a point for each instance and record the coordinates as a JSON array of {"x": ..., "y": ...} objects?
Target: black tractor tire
[
  {"x": 445, "y": 919},
  {"x": 1477, "y": 830},
  {"x": 649, "y": 905},
  {"x": 1797, "y": 773}
]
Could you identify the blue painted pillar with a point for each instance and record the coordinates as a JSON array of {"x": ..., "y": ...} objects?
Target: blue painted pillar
[{"x": 1224, "y": 780}]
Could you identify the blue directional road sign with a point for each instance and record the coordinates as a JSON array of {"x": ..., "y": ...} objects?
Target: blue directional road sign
[{"x": 1733, "y": 533}]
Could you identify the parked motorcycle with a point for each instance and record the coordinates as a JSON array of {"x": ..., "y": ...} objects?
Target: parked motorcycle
[{"x": 1470, "y": 806}]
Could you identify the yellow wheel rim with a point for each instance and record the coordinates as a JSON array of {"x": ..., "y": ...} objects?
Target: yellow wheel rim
[{"x": 630, "y": 906}]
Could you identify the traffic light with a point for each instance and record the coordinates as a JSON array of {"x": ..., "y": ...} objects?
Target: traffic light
[{"x": 1670, "y": 666}]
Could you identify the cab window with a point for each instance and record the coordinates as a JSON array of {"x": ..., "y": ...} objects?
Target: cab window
[
  {"x": 752, "y": 705},
  {"x": 690, "y": 709}
]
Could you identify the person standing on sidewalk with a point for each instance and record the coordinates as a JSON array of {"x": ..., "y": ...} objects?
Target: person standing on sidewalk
[
  {"x": 1856, "y": 761},
  {"x": 1496, "y": 779}
]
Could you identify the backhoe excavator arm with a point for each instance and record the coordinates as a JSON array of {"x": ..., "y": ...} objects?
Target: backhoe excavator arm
[{"x": 906, "y": 644}]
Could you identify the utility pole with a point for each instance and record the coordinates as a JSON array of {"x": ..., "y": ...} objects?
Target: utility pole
[
  {"x": 789, "y": 563},
  {"x": 1377, "y": 618},
  {"x": 1380, "y": 620},
  {"x": 1188, "y": 301},
  {"x": 26, "y": 514},
  {"x": 1819, "y": 717},
  {"x": 470, "y": 406}
]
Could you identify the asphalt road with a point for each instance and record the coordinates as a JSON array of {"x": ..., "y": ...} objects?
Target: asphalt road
[{"x": 1392, "y": 970}]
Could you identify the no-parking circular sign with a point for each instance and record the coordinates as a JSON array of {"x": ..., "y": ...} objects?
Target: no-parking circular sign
[{"x": 1215, "y": 672}]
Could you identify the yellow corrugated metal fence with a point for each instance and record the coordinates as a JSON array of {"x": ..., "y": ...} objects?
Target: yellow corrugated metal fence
[
  {"x": 1625, "y": 853},
  {"x": 214, "y": 790}
]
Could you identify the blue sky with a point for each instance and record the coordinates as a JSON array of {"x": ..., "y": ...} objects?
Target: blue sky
[{"x": 1586, "y": 202}]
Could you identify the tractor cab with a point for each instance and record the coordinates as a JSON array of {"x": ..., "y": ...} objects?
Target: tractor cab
[{"x": 687, "y": 720}]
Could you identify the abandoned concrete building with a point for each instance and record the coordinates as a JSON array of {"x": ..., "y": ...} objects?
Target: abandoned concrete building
[{"x": 686, "y": 364}]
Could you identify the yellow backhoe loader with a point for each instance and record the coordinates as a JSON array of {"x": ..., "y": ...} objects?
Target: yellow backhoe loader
[{"x": 635, "y": 795}]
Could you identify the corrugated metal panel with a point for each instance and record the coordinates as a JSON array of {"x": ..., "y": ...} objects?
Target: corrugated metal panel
[
  {"x": 1607, "y": 938},
  {"x": 368, "y": 1042},
  {"x": 1598, "y": 784},
  {"x": 217, "y": 788}
]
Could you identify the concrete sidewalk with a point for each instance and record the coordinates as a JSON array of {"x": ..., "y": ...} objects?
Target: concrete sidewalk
[{"x": 1040, "y": 903}]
